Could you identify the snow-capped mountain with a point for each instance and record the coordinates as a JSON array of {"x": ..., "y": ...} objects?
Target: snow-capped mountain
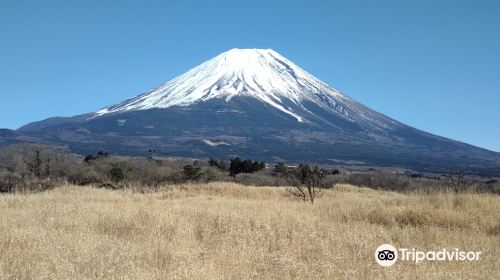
[
  {"x": 257, "y": 104},
  {"x": 262, "y": 74}
]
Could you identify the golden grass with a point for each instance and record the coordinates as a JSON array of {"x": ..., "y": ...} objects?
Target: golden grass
[{"x": 228, "y": 231}]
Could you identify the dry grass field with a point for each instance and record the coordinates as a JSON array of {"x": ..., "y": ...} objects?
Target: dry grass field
[{"x": 228, "y": 231}]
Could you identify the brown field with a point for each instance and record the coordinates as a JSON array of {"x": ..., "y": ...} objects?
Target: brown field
[{"x": 228, "y": 231}]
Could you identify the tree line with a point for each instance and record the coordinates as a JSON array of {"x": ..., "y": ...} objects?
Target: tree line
[{"x": 39, "y": 167}]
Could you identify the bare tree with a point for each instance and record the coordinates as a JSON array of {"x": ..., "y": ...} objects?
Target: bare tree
[
  {"x": 306, "y": 182},
  {"x": 459, "y": 182}
]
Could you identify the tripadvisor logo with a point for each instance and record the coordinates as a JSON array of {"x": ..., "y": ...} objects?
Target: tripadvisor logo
[{"x": 387, "y": 255}]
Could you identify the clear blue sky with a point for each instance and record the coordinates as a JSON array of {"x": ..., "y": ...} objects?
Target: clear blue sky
[{"x": 434, "y": 64}]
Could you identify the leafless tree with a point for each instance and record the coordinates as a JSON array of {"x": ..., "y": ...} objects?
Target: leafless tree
[
  {"x": 306, "y": 182},
  {"x": 459, "y": 182}
]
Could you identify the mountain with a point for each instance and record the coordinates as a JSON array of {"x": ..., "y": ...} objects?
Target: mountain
[
  {"x": 263, "y": 75},
  {"x": 256, "y": 103}
]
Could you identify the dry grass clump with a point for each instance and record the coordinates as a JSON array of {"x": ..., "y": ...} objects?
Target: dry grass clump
[
  {"x": 495, "y": 230},
  {"x": 227, "y": 231}
]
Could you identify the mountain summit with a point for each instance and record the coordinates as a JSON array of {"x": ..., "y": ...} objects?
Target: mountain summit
[
  {"x": 262, "y": 74},
  {"x": 256, "y": 103}
]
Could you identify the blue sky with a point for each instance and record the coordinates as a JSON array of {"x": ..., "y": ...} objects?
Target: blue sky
[{"x": 434, "y": 65}]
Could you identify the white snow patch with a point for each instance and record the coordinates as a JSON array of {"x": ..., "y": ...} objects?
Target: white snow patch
[
  {"x": 214, "y": 144},
  {"x": 262, "y": 74},
  {"x": 121, "y": 122}
]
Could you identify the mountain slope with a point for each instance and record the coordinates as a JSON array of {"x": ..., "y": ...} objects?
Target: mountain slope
[
  {"x": 257, "y": 104},
  {"x": 262, "y": 74}
]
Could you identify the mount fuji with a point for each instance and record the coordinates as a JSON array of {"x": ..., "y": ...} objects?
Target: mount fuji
[{"x": 255, "y": 103}]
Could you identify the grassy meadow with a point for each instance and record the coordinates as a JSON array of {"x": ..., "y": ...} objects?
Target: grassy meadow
[{"x": 229, "y": 231}]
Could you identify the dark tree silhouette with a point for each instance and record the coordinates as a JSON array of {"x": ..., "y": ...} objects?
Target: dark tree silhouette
[
  {"x": 306, "y": 182},
  {"x": 237, "y": 166}
]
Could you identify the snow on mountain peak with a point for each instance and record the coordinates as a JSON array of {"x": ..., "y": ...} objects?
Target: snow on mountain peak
[{"x": 260, "y": 73}]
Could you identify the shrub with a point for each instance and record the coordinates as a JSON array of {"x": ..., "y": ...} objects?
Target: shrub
[
  {"x": 307, "y": 182},
  {"x": 83, "y": 175},
  {"x": 218, "y": 164},
  {"x": 192, "y": 173},
  {"x": 117, "y": 174},
  {"x": 237, "y": 166},
  {"x": 280, "y": 169},
  {"x": 379, "y": 180},
  {"x": 97, "y": 156},
  {"x": 259, "y": 179},
  {"x": 459, "y": 182}
]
